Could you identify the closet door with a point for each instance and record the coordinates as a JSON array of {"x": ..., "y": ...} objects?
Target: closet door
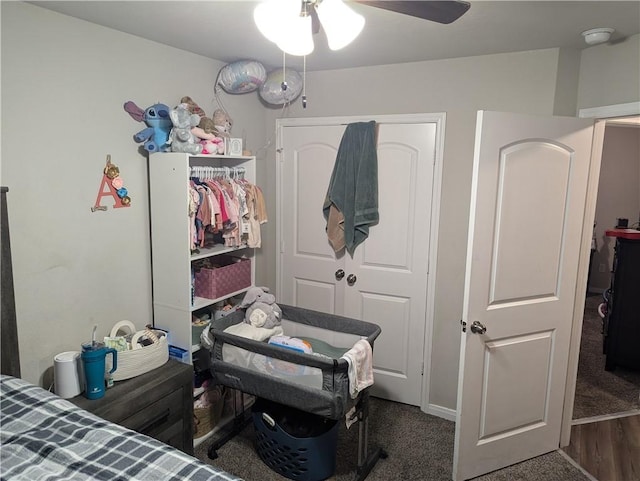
[
  {"x": 310, "y": 271},
  {"x": 386, "y": 280}
]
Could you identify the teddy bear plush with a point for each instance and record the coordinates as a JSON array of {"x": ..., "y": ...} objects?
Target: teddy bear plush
[
  {"x": 222, "y": 123},
  {"x": 262, "y": 310},
  {"x": 181, "y": 138}
]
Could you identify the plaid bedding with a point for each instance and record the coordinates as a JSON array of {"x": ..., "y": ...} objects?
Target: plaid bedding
[{"x": 44, "y": 437}]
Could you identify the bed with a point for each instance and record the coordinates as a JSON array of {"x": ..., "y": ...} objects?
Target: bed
[{"x": 46, "y": 437}]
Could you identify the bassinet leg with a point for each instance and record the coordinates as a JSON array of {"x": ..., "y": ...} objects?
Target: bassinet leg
[
  {"x": 240, "y": 421},
  {"x": 366, "y": 460}
]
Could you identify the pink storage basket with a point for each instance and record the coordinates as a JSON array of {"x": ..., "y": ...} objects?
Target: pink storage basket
[{"x": 233, "y": 275}]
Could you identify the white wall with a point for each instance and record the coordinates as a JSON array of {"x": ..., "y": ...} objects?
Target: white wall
[
  {"x": 618, "y": 196},
  {"x": 610, "y": 74},
  {"x": 519, "y": 82},
  {"x": 537, "y": 82},
  {"x": 74, "y": 268},
  {"x": 64, "y": 82}
]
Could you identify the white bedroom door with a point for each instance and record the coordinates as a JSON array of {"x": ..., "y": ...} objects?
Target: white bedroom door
[
  {"x": 529, "y": 189},
  {"x": 386, "y": 280}
]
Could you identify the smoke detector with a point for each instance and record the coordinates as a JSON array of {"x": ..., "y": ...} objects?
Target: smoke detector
[{"x": 597, "y": 35}]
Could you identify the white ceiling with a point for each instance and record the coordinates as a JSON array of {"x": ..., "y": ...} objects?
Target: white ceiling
[{"x": 224, "y": 30}]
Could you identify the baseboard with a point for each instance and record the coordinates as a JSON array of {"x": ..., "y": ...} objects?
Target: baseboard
[
  {"x": 441, "y": 412},
  {"x": 605, "y": 417}
]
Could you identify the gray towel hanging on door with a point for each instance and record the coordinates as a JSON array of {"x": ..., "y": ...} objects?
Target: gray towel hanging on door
[{"x": 351, "y": 203}]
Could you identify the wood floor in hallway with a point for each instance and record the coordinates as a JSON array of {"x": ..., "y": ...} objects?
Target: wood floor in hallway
[{"x": 608, "y": 449}]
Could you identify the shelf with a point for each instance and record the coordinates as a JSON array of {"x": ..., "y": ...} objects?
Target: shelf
[
  {"x": 201, "y": 302},
  {"x": 215, "y": 251},
  {"x": 172, "y": 261}
]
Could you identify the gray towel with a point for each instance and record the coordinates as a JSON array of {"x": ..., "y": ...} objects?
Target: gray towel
[{"x": 353, "y": 188}]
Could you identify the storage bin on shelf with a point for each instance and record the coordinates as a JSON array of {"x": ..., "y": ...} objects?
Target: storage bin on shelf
[
  {"x": 207, "y": 417},
  {"x": 220, "y": 276}
]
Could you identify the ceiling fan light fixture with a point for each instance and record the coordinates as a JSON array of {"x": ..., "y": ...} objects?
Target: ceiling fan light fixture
[
  {"x": 273, "y": 17},
  {"x": 341, "y": 24},
  {"x": 297, "y": 39}
]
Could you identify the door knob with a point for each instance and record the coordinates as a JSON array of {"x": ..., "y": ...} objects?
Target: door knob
[
  {"x": 351, "y": 279},
  {"x": 339, "y": 274},
  {"x": 478, "y": 328}
]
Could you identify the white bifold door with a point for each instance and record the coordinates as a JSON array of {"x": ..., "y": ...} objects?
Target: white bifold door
[{"x": 386, "y": 281}]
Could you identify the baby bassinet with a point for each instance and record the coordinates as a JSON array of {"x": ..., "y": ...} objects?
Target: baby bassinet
[
  {"x": 314, "y": 383},
  {"x": 293, "y": 385}
]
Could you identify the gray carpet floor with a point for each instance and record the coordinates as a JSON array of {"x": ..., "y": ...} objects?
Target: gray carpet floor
[{"x": 420, "y": 446}]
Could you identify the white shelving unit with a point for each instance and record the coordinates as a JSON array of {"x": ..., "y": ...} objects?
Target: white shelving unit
[{"x": 171, "y": 256}]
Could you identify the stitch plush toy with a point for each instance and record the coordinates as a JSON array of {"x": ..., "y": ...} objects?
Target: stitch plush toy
[
  {"x": 262, "y": 310},
  {"x": 181, "y": 138},
  {"x": 156, "y": 135}
]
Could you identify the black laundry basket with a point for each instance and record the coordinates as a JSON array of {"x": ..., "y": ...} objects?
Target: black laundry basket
[{"x": 296, "y": 444}]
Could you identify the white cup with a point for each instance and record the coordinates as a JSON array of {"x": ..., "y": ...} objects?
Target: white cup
[{"x": 68, "y": 375}]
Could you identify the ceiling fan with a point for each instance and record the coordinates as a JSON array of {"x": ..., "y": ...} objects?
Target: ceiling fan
[
  {"x": 291, "y": 23},
  {"x": 445, "y": 11}
]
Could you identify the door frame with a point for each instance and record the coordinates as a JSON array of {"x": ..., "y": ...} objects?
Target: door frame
[
  {"x": 601, "y": 114},
  {"x": 440, "y": 120}
]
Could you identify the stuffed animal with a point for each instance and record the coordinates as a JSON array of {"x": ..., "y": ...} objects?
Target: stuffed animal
[
  {"x": 181, "y": 138},
  {"x": 257, "y": 294},
  {"x": 156, "y": 135},
  {"x": 211, "y": 143},
  {"x": 260, "y": 314},
  {"x": 205, "y": 131},
  {"x": 208, "y": 125},
  {"x": 262, "y": 310},
  {"x": 193, "y": 107},
  {"x": 222, "y": 123},
  {"x": 214, "y": 146}
]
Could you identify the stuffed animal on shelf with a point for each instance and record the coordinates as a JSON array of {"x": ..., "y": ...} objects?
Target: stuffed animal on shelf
[
  {"x": 205, "y": 131},
  {"x": 262, "y": 310},
  {"x": 222, "y": 123},
  {"x": 193, "y": 107},
  {"x": 213, "y": 146},
  {"x": 181, "y": 139},
  {"x": 156, "y": 135}
]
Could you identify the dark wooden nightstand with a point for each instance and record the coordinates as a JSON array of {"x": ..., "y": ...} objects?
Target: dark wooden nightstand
[{"x": 158, "y": 403}]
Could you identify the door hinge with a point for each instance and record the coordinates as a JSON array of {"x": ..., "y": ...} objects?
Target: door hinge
[
  {"x": 282, "y": 247},
  {"x": 464, "y": 325},
  {"x": 422, "y": 369}
]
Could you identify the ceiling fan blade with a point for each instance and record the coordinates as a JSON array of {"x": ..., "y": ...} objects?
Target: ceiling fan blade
[{"x": 445, "y": 11}]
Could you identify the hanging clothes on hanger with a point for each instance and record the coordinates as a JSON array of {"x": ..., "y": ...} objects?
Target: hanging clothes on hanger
[{"x": 224, "y": 208}]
